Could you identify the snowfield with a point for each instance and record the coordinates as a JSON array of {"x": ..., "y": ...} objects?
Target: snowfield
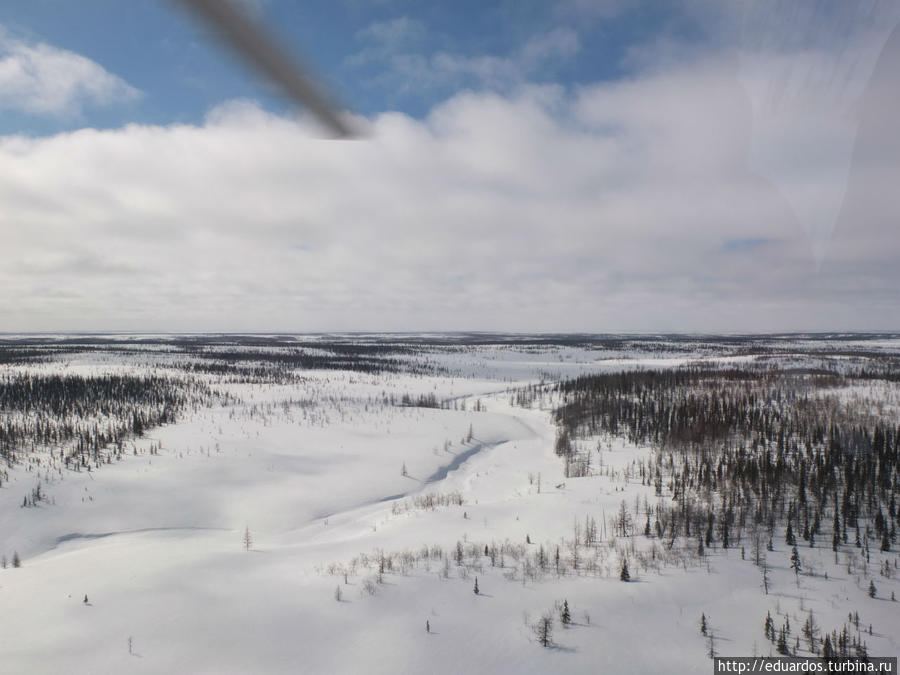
[{"x": 357, "y": 509}]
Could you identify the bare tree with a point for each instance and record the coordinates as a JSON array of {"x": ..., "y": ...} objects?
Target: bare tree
[
  {"x": 543, "y": 629},
  {"x": 247, "y": 539},
  {"x": 623, "y": 520},
  {"x": 811, "y": 632}
]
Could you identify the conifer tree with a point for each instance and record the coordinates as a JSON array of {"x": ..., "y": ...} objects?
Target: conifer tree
[
  {"x": 789, "y": 537},
  {"x": 782, "y": 646},
  {"x": 827, "y": 651},
  {"x": 543, "y": 629},
  {"x": 795, "y": 561},
  {"x": 769, "y": 627}
]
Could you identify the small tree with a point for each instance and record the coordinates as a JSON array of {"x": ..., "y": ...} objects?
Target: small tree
[
  {"x": 476, "y": 587},
  {"x": 789, "y": 537},
  {"x": 795, "y": 561},
  {"x": 338, "y": 593},
  {"x": 782, "y": 646},
  {"x": 811, "y": 632},
  {"x": 247, "y": 539},
  {"x": 564, "y": 617},
  {"x": 543, "y": 629},
  {"x": 427, "y": 626},
  {"x": 872, "y": 590},
  {"x": 624, "y": 575},
  {"x": 16, "y": 561},
  {"x": 703, "y": 624}
]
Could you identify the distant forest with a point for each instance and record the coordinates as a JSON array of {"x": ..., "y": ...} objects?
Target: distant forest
[{"x": 804, "y": 454}]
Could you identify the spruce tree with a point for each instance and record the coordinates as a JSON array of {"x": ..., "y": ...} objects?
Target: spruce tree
[
  {"x": 789, "y": 538},
  {"x": 782, "y": 646},
  {"x": 769, "y": 627},
  {"x": 795, "y": 561}
]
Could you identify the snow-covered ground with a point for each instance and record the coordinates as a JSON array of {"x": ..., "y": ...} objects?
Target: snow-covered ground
[{"x": 142, "y": 565}]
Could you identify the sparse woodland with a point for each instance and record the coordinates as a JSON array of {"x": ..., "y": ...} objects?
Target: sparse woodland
[
  {"x": 778, "y": 460},
  {"x": 738, "y": 452}
]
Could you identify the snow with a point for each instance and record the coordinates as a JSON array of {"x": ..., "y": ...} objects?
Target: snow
[{"x": 155, "y": 541}]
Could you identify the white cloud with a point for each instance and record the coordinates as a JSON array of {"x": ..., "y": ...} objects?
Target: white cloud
[
  {"x": 595, "y": 9},
  {"x": 397, "y": 46},
  {"x": 45, "y": 80},
  {"x": 558, "y": 43},
  {"x": 393, "y": 33},
  {"x": 626, "y": 205}
]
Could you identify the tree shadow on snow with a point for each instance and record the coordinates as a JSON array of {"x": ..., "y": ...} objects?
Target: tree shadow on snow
[{"x": 563, "y": 648}]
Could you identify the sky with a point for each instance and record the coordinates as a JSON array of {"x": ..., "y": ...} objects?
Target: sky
[{"x": 528, "y": 166}]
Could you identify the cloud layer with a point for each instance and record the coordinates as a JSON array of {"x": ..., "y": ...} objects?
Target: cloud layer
[
  {"x": 640, "y": 204},
  {"x": 40, "y": 79},
  {"x": 538, "y": 211}
]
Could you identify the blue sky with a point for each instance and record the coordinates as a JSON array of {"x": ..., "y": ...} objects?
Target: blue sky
[
  {"x": 369, "y": 53},
  {"x": 582, "y": 165}
]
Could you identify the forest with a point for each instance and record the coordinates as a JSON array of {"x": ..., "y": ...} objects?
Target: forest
[{"x": 802, "y": 451}]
